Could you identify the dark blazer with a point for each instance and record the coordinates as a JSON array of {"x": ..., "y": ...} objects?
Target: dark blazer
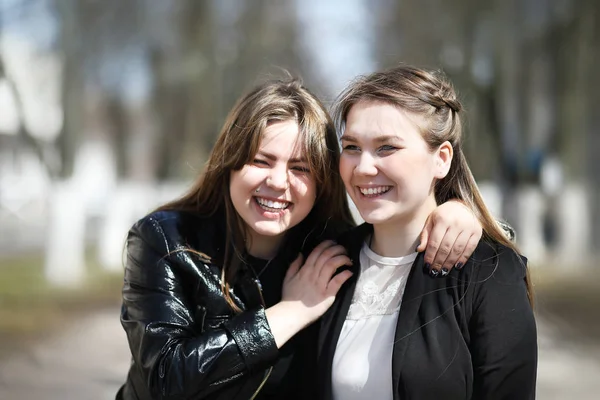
[
  {"x": 470, "y": 335},
  {"x": 186, "y": 341}
]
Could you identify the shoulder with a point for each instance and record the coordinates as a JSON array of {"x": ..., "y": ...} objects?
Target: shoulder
[
  {"x": 492, "y": 259},
  {"x": 169, "y": 243},
  {"x": 497, "y": 273},
  {"x": 167, "y": 220},
  {"x": 166, "y": 231},
  {"x": 158, "y": 226}
]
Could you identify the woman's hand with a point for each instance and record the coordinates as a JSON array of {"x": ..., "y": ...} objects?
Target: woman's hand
[
  {"x": 449, "y": 238},
  {"x": 308, "y": 291}
]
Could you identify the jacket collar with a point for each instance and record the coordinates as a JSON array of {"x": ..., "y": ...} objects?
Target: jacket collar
[
  {"x": 333, "y": 320},
  {"x": 408, "y": 323}
]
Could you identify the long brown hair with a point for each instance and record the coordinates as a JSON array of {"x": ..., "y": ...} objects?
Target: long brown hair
[
  {"x": 430, "y": 95},
  {"x": 238, "y": 143}
]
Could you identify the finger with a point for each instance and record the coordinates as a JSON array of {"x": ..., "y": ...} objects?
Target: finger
[
  {"x": 455, "y": 253},
  {"x": 468, "y": 251},
  {"x": 337, "y": 281},
  {"x": 425, "y": 235},
  {"x": 294, "y": 267},
  {"x": 329, "y": 253},
  {"x": 433, "y": 244},
  {"x": 317, "y": 251},
  {"x": 330, "y": 267},
  {"x": 443, "y": 251}
]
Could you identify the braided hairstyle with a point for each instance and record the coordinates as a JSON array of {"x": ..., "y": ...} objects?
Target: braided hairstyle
[{"x": 430, "y": 97}]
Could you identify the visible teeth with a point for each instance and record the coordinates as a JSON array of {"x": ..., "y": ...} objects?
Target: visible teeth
[
  {"x": 280, "y": 205},
  {"x": 377, "y": 190}
]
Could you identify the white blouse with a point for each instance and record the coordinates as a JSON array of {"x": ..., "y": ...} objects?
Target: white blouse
[{"x": 362, "y": 364}]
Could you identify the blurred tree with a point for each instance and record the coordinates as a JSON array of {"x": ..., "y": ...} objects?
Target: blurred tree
[
  {"x": 222, "y": 50},
  {"x": 23, "y": 133},
  {"x": 72, "y": 83},
  {"x": 526, "y": 72},
  {"x": 577, "y": 55},
  {"x": 199, "y": 56}
]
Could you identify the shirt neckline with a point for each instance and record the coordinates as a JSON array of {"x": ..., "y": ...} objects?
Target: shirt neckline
[{"x": 403, "y": 260}]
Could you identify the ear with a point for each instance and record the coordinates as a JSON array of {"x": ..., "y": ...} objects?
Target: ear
[{"x": 443, "y": 160}]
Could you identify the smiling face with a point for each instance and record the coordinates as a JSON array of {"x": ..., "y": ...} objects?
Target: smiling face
[
  {"x": 387, "y": 166},
  {"x": 275, "y": 191}
]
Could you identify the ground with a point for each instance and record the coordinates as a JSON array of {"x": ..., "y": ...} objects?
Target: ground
[
  {"x": 57, "y": 346},
  {"x": 88, "y": 359}
]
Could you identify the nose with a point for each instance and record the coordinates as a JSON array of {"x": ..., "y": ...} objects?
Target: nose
[
  {"x": 366, "y": 165},
  {"x": 278, "y": 178}
]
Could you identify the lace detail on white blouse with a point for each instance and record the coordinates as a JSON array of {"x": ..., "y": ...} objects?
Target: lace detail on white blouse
[{"x": 380, "y": 285}]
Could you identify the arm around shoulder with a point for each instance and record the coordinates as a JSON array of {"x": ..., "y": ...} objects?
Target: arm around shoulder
[
  {"x": 177, "y": 358},
  {"x": 502, "y": 329}
]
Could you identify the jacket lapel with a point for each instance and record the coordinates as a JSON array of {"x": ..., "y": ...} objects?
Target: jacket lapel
[
  {"x": 333, "y": 320},
  {"x": 329, "y": 333},
  {"x": 407, "y": 318}
]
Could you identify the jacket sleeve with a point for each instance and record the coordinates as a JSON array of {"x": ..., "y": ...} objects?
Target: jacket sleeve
[
  {"x": 503, "y": 332},
  {"x": 175, "y": 358}
]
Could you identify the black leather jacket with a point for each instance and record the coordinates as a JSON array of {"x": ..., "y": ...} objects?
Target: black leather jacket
[{"x": 185, "y": 340}]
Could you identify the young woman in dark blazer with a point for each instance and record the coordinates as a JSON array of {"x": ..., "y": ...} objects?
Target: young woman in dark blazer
[
  {"x": 214, "y": 300},
  {"x": 394, "y": 333}
]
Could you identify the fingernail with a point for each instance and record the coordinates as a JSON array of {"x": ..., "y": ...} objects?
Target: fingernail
[
  {"x": 417, "y": 248},
  {"x": 426, "y": 267},
  {"x": 433, "y": 273},
  {"x": 445, "y": 271},
  {"x": 459, "y": 265}
]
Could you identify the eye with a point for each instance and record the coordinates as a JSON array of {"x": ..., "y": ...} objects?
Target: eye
[
  {"x": 258, "y": 161},
  {"x": 350, "y": 148},
  {"x": 300, "y": 168},
  {"x": 387, "y": 148}
]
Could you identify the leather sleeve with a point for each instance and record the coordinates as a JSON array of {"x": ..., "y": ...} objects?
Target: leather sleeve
[
  {"x": 503, "y": 331},
  {"x": 176, "y": 360}
]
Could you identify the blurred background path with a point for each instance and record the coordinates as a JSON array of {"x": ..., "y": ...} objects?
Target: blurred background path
[{"x": 89, "y": 358}]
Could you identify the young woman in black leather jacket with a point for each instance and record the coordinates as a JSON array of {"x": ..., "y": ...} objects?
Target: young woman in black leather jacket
[{"x": 222, "y": 285}]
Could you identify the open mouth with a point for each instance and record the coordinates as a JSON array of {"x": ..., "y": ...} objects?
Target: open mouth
[
  {"x": 374, "y": 191},
  {"x": 274, "y": 206}
]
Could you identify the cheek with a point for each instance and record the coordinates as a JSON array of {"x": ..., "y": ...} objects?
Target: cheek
[
  {"x": 234, "y": 181},
  {"x": 247, "y": 176},
  {"x": 420, "y": 171},
  {"x": 428, "y": 165},
  {"x": 418, "y": 164},
  {"x": 305, "y": 189},
  {"x": 345, "y": 168}
]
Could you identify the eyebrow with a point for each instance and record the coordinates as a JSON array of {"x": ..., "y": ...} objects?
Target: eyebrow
[
  {"x": 272, "y": 157},
  {"x": 382, "y": 138}
]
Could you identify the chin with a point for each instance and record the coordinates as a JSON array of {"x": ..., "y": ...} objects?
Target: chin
[
  {"x": 376, "y": 218},
  {"x": 265, "y": 230},
  {"x": 384, "y": 216}
]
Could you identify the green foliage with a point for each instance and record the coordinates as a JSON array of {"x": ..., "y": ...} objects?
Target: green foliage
[{"x": 29, "y": 305}]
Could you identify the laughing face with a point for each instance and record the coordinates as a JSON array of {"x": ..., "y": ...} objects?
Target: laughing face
[
  {"x": 275, "y": 191},
  {"x": 386, "y": 165}
]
